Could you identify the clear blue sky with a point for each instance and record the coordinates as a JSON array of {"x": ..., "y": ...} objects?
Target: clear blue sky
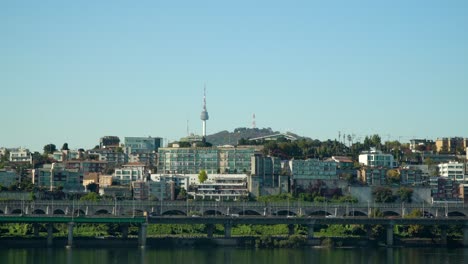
[{"x": 73, "y": 71}]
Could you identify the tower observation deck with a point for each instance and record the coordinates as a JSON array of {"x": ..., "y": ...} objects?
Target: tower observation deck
[{"x": 204, "y": 115}]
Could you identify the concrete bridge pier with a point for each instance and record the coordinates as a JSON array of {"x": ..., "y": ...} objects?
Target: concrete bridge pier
[
  {"x": 389, "y": 229},
  {"x": 70, "y": 234},
  {"x": 142, "y": 231},
  {"x": 227, "y": 230},
  {"x": 209, "y": 230},
  {"x": 50, "y": 234},
  {"x": 465, "y": 234},
  {"x": 368, "y": 231},
  {"x": 124, "y": 229},
  {"x": 291, "y": 229},
  {"x": 36, "y": 229},
  {"x": 310, "y": 231},
  {"x": 443, "y": 235}
]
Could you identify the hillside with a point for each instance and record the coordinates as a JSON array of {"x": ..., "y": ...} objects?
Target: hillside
[{"x": 231, "y": 138}]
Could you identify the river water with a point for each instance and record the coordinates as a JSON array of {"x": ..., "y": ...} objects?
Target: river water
[{"x": 232, "y": 255}]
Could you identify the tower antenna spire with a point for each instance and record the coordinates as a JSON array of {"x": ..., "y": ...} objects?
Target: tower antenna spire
[
  {"x": 254, "y": 123},
  {"x": 204, "y": 114}
]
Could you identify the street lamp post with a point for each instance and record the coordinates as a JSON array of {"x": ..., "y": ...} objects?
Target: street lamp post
[{"x": 52, "y": 176}]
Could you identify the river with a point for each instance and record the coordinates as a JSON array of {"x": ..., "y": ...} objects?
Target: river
[{"x": 232, "y": 255}]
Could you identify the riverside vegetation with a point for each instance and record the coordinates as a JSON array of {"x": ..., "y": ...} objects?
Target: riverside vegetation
[{"x": 265, "y": 236}]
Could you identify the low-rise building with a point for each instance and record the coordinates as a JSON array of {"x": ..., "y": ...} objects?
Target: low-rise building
[
  {"x": 305, "y": 172},
  {"x": 161, "y": 190},
  {"x": 118, "y": 192},
  {"x": 344, "y": 165},
  {"x": 150, "y": 158},
  {"x": 411, "y": 176},
  {"x": 451, "y": 144},
  {"x": 140, "y": 190},
  {"x": 453, "y": 170},
  {"x": 376, "y": 158},
  {"x": 111, "y": 156},
  {"x": 105, "y": 180},
  {"x": 64, "y": 155},
  {"x": 20, "y": 155},
  {"x": 90, "y": 178},
  {"x": 8, "y": 177},
  {"x": 129, "y": 173},
  {"x": 374, "y": 176},
  {"x": 53, "y": 176},
  {"x": 142, "y": 144},
  {"x": 86, "y": 166},
  {"x": 313, "y": 169},
  {"x": 180, "y": 181},
  {"x": 221, "y": 187},
  {"x": 444, "y": 189},
  {"x": 438, "y": 158},
  {"x": 464, "y": 192},
  {"x": 109, "y": 142},
  {"x": 420, "y": 144}
]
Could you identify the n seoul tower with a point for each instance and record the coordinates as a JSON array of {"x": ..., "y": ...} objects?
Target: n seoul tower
[{"x": 204, "y": 115}]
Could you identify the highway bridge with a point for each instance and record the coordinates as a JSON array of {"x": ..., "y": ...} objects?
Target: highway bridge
[
  {"x": 228, "y": 214},
  {"x": 187, "y": 208}
]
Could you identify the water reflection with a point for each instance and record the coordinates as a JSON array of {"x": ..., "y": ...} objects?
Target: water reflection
[{"x": 230, "y": 255}]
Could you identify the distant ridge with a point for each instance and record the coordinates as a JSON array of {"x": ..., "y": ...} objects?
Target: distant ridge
[{"x": 231, "y": 138}]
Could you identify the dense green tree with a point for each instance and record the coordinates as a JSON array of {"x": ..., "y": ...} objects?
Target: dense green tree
[
  {"x": 405, "y": 194},
  {"x": 5, "y": 157},
  {"x": 65, "y": 146},
  {"x": 393, "y": 176},
  {"x": 181, "y": 194},
  {"x": 91, "y": 196},
  {"x": 92, "y": 187},
  {"x": 202, "y": 176},
  {"x": 383, "y": 195},
  {"x": 49, "y": 148},
  {"x": 39, "y": 160},
  {"x": 418, "y": 230}
]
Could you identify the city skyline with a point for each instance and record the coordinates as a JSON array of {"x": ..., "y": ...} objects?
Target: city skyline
[{"x": 74, "y": 72}]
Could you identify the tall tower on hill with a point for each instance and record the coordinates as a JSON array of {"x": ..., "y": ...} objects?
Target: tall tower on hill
[{"x": 204, "y": 115}]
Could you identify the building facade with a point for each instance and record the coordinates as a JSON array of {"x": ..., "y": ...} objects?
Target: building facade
[
  {"x": 376, "y": 158},
  {"x": 53, "y": 176},
  {"x": 109, "y": 142},
  {"x": 313, "y": 169},
  {"x": 86, "y": 166},
  {"x": 453, "y": 170},
  {"x": 142, "y": 144},
  {"x": 130, "y": 173},
  {"x": 418, "y": 144},
  {"x": 373, "y": 176},
  {"x": 267, "y": 169},
  {"x": 221, "y": 187},
  {"x": 444, "y": 189},
  {"x": 451, "y": 144},
  {"x": 229, "y": 160},
  {"x": 8, "y": 177},
  {"x": 111, "y": 156},
  {"x": 411, "y": 176},
  {"x": 20, "y": 155}
]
